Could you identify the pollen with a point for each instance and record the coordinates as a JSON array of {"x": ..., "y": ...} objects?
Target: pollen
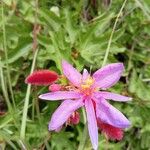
[
  {"x": 86, "y": 86},
  {"x": 87, "y": 83}
]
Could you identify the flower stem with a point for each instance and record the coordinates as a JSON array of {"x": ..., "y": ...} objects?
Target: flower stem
[
  {"x": 112, "y": 33},
  {"x": 27, "y": 97},
  {"x": 26, "y": 103},
  {"x": 4, "y": 89},
  {"x": 84, "y": 138},
  {"x": 6, "y": 56},
  {"x": 84, "y": 115},
  {"x": 85, "y": 132}
]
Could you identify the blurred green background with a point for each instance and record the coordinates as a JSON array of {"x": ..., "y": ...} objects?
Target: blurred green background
[{"x": 38, "y": 34}]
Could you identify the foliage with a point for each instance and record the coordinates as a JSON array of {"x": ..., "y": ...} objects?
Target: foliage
[{"x": 77, "y": 31}]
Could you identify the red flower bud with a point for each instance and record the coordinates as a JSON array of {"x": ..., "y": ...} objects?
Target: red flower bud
[
  {"x": 54, "y": 87},
  {"x": 42, "y": 77},
  {"x": 112, "y": 132},
  {"x": 74, "y": 118}
]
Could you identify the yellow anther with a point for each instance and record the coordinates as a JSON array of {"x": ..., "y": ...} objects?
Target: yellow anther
[
  {"x": 85, "y": 86},
  {"x": 87, "y": 83}
]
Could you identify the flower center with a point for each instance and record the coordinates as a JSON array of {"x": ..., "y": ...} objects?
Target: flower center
[
  {"x": 87, "y": 83},
  {"x": 86, "y": 88}
]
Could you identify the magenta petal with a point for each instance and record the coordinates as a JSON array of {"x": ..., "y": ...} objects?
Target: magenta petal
[
  {"x": 60, "y": 95},
  {"x": 92, "y": 123},
  {"x": 63, "y": 112},
  {"x": 112, "y": 96},
  {"x": 71, "y": 73},
  {"x": 58, "y": 129},
  {"x": 110, "y": 115},
  {"x": 108, "y": 75}
]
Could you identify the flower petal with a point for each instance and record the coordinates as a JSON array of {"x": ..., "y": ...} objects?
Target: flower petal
[
  {"x": 112, "y": 96},
  {"x": 110, "y": 115},
  {"x": 85, "y": 75},
  {"x": 63, "y": 112},
  {"x": 108, "y": 75},
  {"x": 71, "y": 73},
  {"x": 58, "y": 129},
  {"x": 92, "y": 124},
  {"x": 60, "y": 95}
]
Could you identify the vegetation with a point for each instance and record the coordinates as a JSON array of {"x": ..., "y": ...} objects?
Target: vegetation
[{"x": 38, "y": 34}]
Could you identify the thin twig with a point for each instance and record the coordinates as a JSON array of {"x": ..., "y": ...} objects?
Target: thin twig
[{"x": 112, "y": 33}]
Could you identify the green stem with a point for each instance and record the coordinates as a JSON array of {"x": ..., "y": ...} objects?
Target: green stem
[
  {"x": 85, "y": 132},
  {"x": 84, "y": 115},
  {"x": 6, "y": 57},
  {"x": 26, "y": 103},
  {"x": 33, "y": 109},
  {"x": 4, "y": 90},
  {"x": 144, "y": 9},
  {"x": 5, "y": 94},
  {"x": 112, "y": 33},
  {"x": 84, "y": 138}
]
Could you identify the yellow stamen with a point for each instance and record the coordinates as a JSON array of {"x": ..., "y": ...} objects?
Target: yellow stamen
[
  {"x": 87, "y": 83},
  {"x": 86, "y": 86}
]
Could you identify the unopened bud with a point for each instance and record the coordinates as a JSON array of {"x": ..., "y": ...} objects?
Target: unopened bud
[{"x": 54, "y": 87}]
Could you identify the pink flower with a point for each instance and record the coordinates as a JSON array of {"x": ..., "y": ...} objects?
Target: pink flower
[{"x": 87, "y": 91}]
